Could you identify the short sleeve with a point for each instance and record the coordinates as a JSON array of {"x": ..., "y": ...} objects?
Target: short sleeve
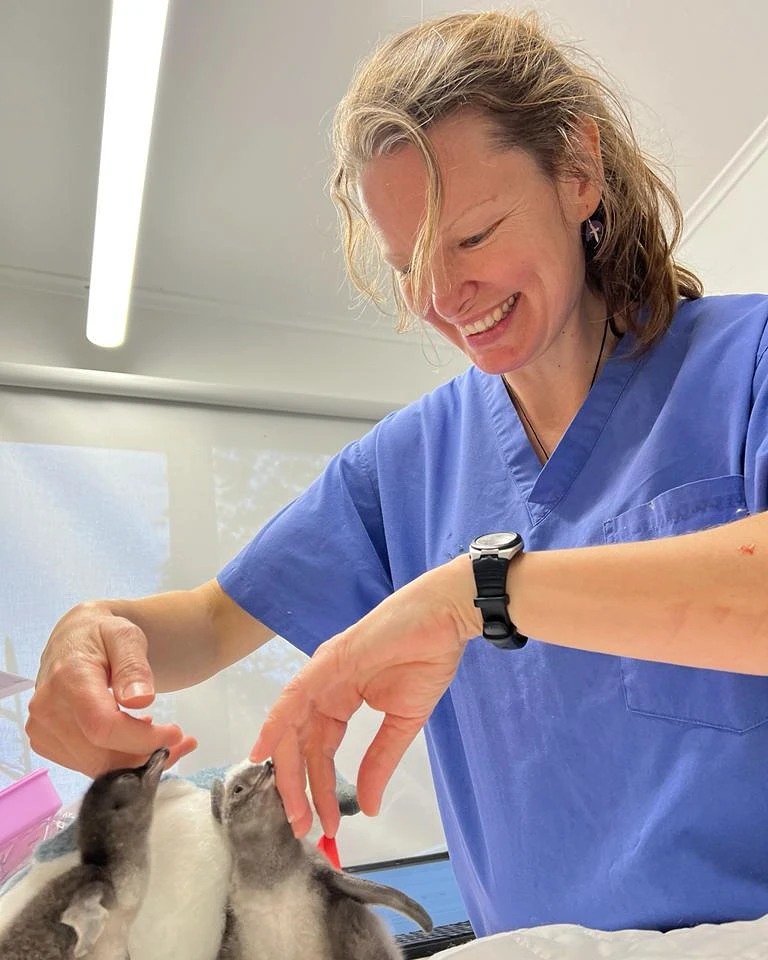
[
  {"x": 321, "y": 563},
  {"x": 756, "y": 447}
]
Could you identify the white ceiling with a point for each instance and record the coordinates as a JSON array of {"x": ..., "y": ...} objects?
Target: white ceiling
[{"x": 235, "y": 209}]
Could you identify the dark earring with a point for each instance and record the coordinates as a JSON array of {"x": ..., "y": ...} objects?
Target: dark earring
[{"x": 592, "y": 232}]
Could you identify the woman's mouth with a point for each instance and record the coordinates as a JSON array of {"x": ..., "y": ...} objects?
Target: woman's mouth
[{"x": 490, "y": 320}]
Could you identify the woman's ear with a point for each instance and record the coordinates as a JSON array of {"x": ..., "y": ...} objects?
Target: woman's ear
[
  {"x": 580, "y": 194},
  {"x": 592, "y": 187}
]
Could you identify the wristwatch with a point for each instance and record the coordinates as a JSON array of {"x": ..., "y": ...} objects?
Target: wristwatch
[{"x": 491, "y": 555}]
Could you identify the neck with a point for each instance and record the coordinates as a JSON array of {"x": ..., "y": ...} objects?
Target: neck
[
  {"x": 547, "y": 396},
  {"x": 261, "y": 860}
]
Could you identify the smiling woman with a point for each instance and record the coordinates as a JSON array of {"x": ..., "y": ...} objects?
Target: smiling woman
[
  {"x": 507, "y": 249},
  {"x": 471, "y": 155},
  {"x": 531, "y": 98},
  {"x": 596, "y": 481}
]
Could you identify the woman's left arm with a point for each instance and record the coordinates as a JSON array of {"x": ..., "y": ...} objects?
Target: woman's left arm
[{"x": 699, "y": 600}]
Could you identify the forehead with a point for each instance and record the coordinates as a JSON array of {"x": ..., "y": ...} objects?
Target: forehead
[{"x": 393, "y": 188}]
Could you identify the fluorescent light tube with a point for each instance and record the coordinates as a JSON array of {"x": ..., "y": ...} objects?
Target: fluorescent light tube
[{"x": 135, "y": 47}]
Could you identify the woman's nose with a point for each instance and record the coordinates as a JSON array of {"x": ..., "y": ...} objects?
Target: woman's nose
[{"x": 452, "y": 293}]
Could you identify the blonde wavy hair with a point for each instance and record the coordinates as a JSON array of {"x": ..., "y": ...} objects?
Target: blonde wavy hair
[{"x": 537, "y": 99}]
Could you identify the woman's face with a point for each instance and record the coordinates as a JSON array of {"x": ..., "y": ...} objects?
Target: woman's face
[{"x": 507, "y": 277}]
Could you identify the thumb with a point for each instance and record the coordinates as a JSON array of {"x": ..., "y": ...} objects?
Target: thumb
[{"x": 131, "y": 676}]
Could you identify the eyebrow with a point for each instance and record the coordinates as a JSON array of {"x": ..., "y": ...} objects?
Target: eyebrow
[
  {"x": 475, "y": 205},
  {"x": 472, "y": 207}
]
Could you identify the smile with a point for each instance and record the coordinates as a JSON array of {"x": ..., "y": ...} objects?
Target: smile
[{"x": 490, "y": 320}]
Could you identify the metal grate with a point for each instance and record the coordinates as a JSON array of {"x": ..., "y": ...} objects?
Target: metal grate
[{"x": 419, "y": 944}]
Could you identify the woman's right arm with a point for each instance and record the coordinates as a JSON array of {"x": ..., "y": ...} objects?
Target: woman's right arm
[{"x": 108, "y": 654}]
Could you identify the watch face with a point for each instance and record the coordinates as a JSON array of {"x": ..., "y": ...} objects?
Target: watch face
[{"x": 497, "y": 541}]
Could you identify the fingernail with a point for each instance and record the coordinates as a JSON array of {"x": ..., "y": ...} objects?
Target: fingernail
[{"x": 137, "y": 689}]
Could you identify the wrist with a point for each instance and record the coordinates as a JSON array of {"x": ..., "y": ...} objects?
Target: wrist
[
  {"x": 516, "y": 573},
  {"x": 492, "y": 555},
  {"x": 469, "y": 621}
]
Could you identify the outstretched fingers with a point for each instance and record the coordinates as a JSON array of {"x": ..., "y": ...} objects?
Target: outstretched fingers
[
  {"x": 280, "y": 738},
  {"x": 91, "y": 733},
  {"x": 289, "y": 715},
  {"x": 290, "y": 777},
  {"x": 382, "y": 757},
  {"x": 103, "y": 724},
  {"x": 321, "y": 769},
  {"x": 302, "y": 734}
]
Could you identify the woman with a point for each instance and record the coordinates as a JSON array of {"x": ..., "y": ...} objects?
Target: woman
[{"x": 612, "y": 417}]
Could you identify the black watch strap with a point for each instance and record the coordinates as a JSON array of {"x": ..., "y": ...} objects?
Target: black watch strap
[{"x": 492, "y": 599}]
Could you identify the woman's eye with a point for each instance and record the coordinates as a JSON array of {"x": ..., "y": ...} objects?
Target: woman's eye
[{"x": 476, "y": 238}]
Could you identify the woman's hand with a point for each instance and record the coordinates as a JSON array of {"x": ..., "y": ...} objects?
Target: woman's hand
[
  {"x": 399, "y": 659},
  {"x": 94, "y": 664}
]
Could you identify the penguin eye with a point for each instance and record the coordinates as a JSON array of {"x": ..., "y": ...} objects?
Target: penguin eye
[{"x": 238, "y": 789}]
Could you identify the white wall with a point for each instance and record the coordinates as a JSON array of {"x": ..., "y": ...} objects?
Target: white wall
[
  {"x": 727, "y": 234},
  {"x": 207, "y": 344}
]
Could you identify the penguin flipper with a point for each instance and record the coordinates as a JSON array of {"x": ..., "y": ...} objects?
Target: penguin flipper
[
  {"x": 366, "y": 891},
  {"x": 86, "y": 914}
]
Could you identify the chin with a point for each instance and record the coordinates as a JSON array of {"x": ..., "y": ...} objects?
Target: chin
[{"x": 493, "y": 366}]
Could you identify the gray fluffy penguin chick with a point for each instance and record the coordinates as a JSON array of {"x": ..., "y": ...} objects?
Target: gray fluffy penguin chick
[
  {"x": 286, "y": 901},
  {"x": 87, "y": 911}
]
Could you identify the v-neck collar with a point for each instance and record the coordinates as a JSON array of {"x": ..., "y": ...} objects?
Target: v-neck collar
[{"x": 542, "y": 486}]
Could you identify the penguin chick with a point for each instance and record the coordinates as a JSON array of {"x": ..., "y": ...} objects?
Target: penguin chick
[
  {"x": 286, "y": 901},
  {"x": 87, "y": 911}
]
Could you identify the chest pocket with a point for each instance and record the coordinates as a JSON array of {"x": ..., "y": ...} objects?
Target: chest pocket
[{"x": 710, "y": 698}]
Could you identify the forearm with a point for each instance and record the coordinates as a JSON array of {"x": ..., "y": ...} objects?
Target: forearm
[
  {"x": 699, "y": 599},
  {"x": 191, "y": 634}
]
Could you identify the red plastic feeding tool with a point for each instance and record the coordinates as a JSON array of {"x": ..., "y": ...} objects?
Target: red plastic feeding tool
[{"x": 328, "y": 846}]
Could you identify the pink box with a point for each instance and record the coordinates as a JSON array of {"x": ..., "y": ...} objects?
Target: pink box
[{"x": 26, "y": 809}]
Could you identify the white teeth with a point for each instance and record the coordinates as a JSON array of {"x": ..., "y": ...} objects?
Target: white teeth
[{"x": 491, "y": 319}]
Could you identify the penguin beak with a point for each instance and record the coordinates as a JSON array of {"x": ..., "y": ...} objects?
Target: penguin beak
[
  {"x": 154, "y": 767},
  {"x": 266, "y": 773}
]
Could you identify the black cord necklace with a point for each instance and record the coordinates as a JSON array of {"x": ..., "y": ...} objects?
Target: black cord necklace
[{"x": 521, "y": 409}]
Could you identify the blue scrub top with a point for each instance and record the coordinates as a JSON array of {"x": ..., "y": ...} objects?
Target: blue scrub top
[{"x": 573, "y": 787}]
